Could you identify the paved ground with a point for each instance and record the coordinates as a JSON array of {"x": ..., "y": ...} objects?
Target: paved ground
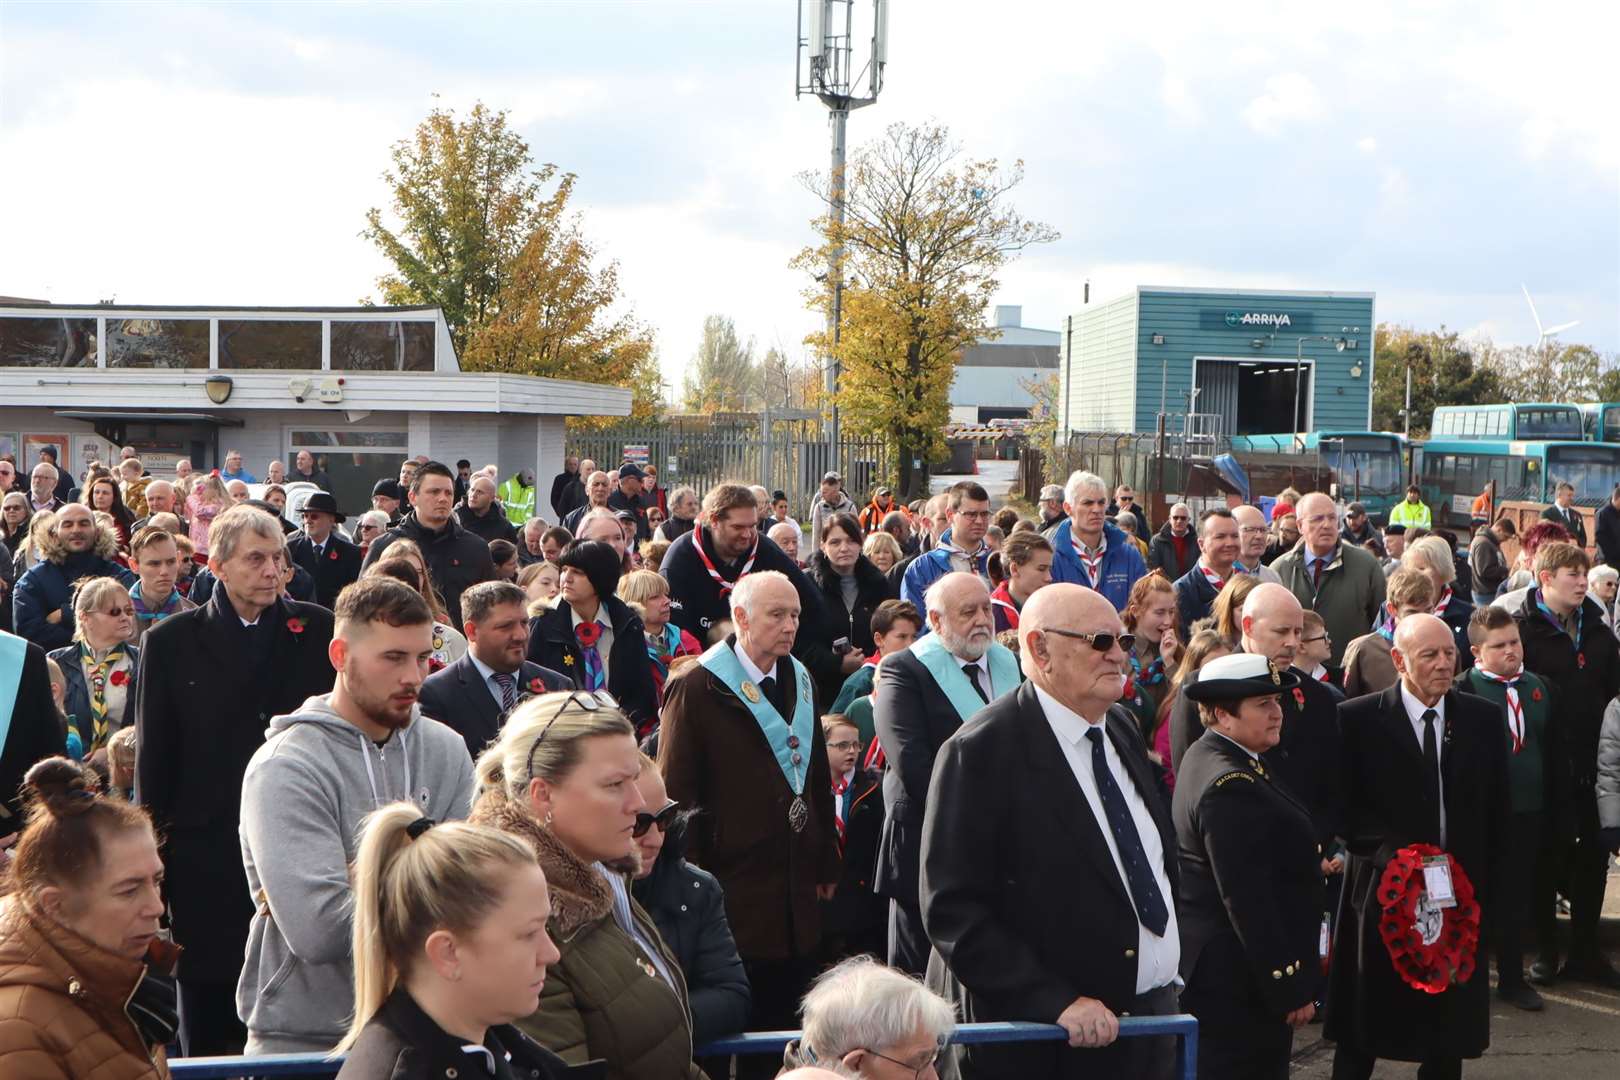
[
  {"x": 1576, "y": 1038},
  {"x": 996, "y": 476}
]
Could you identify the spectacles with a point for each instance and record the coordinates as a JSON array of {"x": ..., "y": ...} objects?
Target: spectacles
[
  {"x": 916, "y": 1070},
  {"x": 1321, "y": 637},
  {"x": 1101, "y": 642},
  {"x": 1251, "y": 530},
  {"x": 663, "y": 819},
  {"x": 846, "y": 744},
  {"x": 973, "y": 515},
  {"x": 589, "y": 700}
]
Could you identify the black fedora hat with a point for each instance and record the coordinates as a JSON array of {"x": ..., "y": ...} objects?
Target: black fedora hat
[
  {"x": 324, "y": 503},
  {"x": 1239, "y": 676}
]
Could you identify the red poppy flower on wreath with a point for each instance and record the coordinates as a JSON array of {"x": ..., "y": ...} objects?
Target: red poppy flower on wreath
[
  {"x": 588, "y": 633},
  {"x": 295, "y": 626},
  {"x": 119, "y": 678},
  {"x": 1299, "y": 697},
  {"x": 1430, "y": 949}
]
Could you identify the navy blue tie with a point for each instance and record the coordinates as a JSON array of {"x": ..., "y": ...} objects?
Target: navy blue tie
[{"x": 1145, "y": 893}]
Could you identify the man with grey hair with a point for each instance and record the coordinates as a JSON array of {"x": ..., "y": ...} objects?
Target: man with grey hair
[
  {"x": 42, "y": 483},
  {"x": 210, "y": 681},
  {"x": 924, "y": 693},
  {"x": 1089, "y": 550},
  {"x": 529, "y": 547},
  {"x": 683, "y": 511},
  {"x": 1338, "y": 580},
  {"x": 785, "y": 535},
  {"x": 740, "y": 743},
  {"x": 1252, "y": 539},
  {"x": 1049, "y": 863},
  {"x": 598, "y": 486},
  {"x": 1174, "y": 548},
  {"x": 160, "y": 499},
  {"x": 872, "y": 1021}
]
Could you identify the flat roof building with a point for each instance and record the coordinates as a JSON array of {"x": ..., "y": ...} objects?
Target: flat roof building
[
  {"x": 1228, "y": 355},
  {"x": 362, "y": 388},
  {"x": 993, "y": 377}
]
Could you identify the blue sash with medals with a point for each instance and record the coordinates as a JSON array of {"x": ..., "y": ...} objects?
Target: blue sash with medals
[
  {"x": 999, "y": 664},
  {"x": 791, "y": 743},
  {"x": 13, "y": 652}
]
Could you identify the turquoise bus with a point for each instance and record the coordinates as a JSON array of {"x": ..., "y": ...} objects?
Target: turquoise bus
[
  {"x": 1602, "y": 421},
  {"x": 1454, "y": 471},
  {"x": 1508, "y": 421},
  {"x": 1368, "y": 466}
]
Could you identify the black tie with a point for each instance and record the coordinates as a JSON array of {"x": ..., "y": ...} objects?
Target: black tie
[
  {"x": 1431, "y": 767},
  {"x": 767, "y": 686},
  {"x": 1145, "y": 893},
  {"x": 972, "y": 671}
]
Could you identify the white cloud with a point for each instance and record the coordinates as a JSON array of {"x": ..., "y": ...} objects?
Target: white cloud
[
  {"x": 1290, "y": 99},
  {"x": 1367, "y": 144}
]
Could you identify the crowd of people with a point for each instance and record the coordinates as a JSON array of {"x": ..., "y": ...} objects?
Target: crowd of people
[{"x": 448, "y": 782}]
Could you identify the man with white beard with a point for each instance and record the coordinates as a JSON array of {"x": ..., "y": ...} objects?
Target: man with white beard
[{"x": 923, "y": 695}]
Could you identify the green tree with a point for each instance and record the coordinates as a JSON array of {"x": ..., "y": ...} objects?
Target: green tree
[
  {"x": 1445, "y": 371},
  {"x": 1551, "y": 372},
  {"x": 924, "y": 234},
  {"x": 723, "y": 376}
]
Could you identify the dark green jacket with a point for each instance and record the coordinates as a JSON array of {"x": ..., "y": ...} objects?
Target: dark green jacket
[
  {"x": 604, "y": 999},
  {"x": 1531, "y": 776}
]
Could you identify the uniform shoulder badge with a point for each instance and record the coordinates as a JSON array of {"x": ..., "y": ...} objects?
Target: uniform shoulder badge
[{"x": 1235, "y": 774}]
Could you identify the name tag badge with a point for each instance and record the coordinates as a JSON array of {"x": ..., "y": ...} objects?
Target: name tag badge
[
  {"x": 1437, "y": 881},
  {"x": 1322, "y": 940}
]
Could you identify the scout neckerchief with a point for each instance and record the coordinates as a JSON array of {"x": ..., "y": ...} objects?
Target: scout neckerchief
[
  {"x": 1215, "y": 580},
  {"x": 96, "y": 672},
  {"x": 1002, "y": 598},
  {"x": 840, "y": 786},
  {"x": 1445, "y": 599},
  {"x": 1515, "y": 710},
  {"x": 1152, "y": 675},
  {"x": 1091, "y": 561},
  {"x": 1580, "y": 617},
  {"x": 588, "y": 632},
  {"x": 789, "y": 741},
  {"x": 143, "y": 613},
  {"x": 975, "y": 558},
  {"x": 708, "y": 563}
]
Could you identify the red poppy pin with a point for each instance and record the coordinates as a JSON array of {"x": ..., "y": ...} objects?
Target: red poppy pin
[
  {"x": 455, "y": 562},
  {"x": 1580, "y": 659},
  {"x": 435, "y": 664},
  {"x": 588, "y": 633},
  {"x": 333, "y": 555},
  {"x": 119, "y": 678},
  {"x": 536, "y": 686},
  {"x": 1535, "y": 694},
  {"x": 1299, "y": 697},
  {"x": 295, "y": 626}
]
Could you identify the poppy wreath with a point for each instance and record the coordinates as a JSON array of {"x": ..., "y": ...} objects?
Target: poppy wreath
[{"x": 1449, "y": 959}]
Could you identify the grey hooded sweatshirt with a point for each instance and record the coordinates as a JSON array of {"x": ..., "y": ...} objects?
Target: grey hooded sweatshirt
[{"x": 303, "y": 797}]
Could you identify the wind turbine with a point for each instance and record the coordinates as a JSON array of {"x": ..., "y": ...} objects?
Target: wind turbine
[{"x": 1545, "y": 332}]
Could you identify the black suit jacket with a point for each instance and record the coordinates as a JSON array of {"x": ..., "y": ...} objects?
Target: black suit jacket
[
  {"x": 1573, "y": 521},
  {"x": 206, "y": 690},
  {"x": 913, "y": 719},
  {"x": 1020, "y": 896},
  {"x": 460, "y": 697},
  {"x": 338, "y": 565},
  {"x": 1387, "y": 809}
]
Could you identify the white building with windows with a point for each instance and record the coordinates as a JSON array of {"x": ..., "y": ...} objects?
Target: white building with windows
[
  {"x": 362, "y": 388},
  {"x": 993, "y": 377}
]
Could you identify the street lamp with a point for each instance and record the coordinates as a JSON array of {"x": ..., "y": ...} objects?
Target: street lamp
[
  {"x": 1341, "y": 343},
  {"x": 824, "y": 66}
]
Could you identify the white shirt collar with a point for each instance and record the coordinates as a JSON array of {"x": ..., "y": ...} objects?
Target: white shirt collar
[
  {"x": 1415, "y": 708},
  {"x": 1069, "y": 724},
  {"x": 751, "y": 669},
  {"x": 484, "y": 670},
  {"x": 577, "y": 618}
]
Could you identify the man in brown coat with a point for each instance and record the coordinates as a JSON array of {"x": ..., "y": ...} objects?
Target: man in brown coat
[
  {"x": 1369, "y": 667},
  {"x": 740, "y": 744}
]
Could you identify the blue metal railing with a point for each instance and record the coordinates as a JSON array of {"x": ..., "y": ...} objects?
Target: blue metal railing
[{"x": 1183, "y": 1027}]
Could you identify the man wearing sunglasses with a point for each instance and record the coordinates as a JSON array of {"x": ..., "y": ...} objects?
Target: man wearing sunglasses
[
  {"x": 924, "y": 694},
  {"x": 740, "y": 744},
  {"x": 1089, "y": 550},
  {"x": 1049, "y": 865}
]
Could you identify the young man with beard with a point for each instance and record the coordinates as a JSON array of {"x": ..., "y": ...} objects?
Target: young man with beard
[
  {"x": 322, "y": 769},
  {"x": 73, "y": 547},
  {"x": 923, "y": 695}
]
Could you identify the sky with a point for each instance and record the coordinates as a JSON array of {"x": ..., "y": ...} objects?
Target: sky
[{"x": 1439, "y": 154}]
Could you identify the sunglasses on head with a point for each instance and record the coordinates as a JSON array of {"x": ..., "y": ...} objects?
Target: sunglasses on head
[
  {"x": 663, "y": 819},
  {"x": 1101, "y": 642},
  {"x": 589, "y": 700}
]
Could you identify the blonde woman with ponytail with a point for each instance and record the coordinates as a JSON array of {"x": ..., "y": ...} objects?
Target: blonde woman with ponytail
[
  {"x": 562, "y": 775},
  {"x": 450, "y": 947}
]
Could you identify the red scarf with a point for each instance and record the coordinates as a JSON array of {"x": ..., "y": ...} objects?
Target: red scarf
[
  {"x": 1212, "y": 577},
  {"x": 1515, "y": 707},
  {"x": 1003, "y": 599},
  {"x": 708, "y": 563}
]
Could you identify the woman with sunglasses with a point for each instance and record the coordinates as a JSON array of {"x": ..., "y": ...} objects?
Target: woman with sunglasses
[
  {"x": 689, "y": 908},
  {"x": 562, "y": 775},
  {"x": 594, "y": 637},
  {"x": 99, "y": 667}
]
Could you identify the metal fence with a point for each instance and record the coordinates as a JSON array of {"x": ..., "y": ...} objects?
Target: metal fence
[
  {"x": 785, "y": 455},
  {"x": 310, "y": 1066},
  {"x": 1122, "y": 458}
]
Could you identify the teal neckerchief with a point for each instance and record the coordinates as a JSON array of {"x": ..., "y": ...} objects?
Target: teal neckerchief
[
  {"x": 790, "y": 743},
  {"x": 947, "y": 672},
  {"x": 13, "y": 651}
]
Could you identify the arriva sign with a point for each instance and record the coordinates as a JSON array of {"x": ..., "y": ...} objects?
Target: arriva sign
[{"x": 1257, "y": 318}]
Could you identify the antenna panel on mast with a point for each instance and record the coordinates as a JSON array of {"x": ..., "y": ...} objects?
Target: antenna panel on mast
[
  {"x": 880, "y": 43},
  {"x": 817, "y": 37}
]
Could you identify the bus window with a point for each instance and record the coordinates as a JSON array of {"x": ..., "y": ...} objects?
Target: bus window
[
  {"x": 1555, "y": 422},
  {"x": 1593, "y": 469},
  {"x": 1611, "y": 424}
]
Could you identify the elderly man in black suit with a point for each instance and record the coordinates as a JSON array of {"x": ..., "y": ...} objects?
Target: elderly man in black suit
[
  {"x": 474, "y": 694},
  {"x": 1049, "y": 868},
  {"x": 1425, "y": 764},
  {"x": 320, "y": 549},
  {"x": 923, "y": 695},
  {"x": 210, "y": 680}
]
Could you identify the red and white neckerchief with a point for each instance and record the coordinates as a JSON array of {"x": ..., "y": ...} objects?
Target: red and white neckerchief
[
  {"x": 1212, "y": 577},
  {"x": 840, "y": 786},
  {"x": 1322, "y": 674},
  {"x": 1445, "y": 598},
  {"x": 1092, "y": 561},
  {"x": 1002, "y": 598},
  {"x": 708, "y": 563},
  {"x": 1515, "y": 708}
]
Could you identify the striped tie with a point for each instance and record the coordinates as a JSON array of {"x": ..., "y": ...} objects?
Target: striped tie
[{"x": 508, "y": 685}]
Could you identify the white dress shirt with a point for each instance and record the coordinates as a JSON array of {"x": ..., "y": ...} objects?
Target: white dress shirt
[
  {"x": 604, "y": 644},
  {"x": 751, "y": 669},
  {"x": 1157, "y": 958},
  {"x": 1414, "y": 715},
  {"x": 984, "y": 672}
]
